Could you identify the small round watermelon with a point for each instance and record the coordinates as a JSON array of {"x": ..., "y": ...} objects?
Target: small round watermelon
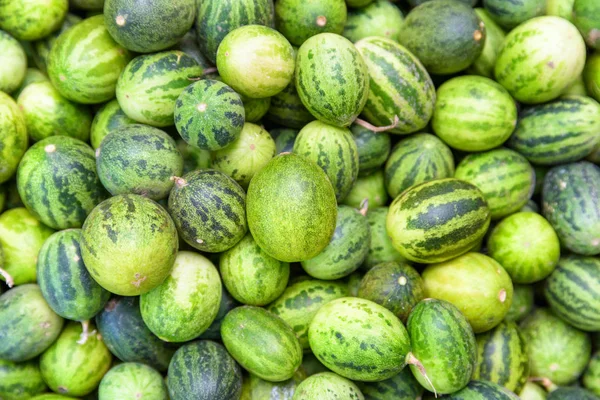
[
  {"x": 298, "y": 20},
  {"x": 522, "y": 304},
  {"x": 14, "y": 63},
  {"x": 108, "y": 118},
  {"x": 369, "y": 188},
  {"x": 380, "y": 18},
  {"x": 511, "y": 14},
  {"x": 132, "y": 380},
  {"x": 286, "y": 109},
  {"x": 327, "y": 386},
  {"x": 255, "y": 109},
  {"x": 13, "y": 136},
  {"x": 381, "y": 248},
  {"x": 32, "y": 19},
  {"x": 21, "y": 380}
]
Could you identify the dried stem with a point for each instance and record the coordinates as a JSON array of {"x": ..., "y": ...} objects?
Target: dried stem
[
  {"x": 412, "y": 360},
  {"x": 364, "y": 206},
  {"x": 9, "y": 279},
  {"x": 377, "y": 129}
]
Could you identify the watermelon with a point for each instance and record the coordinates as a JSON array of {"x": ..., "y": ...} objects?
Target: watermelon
[
  {"x": 570, "y": 204},
  {"x": 14, "y": 65},
  {"x": 21, "y": 237},
  {"x": 138, "y": 159},
  {"x": 298, "y": 20},
  {"x": 373, "y": 148},
  {"x": 13, "y": 136},
  {"x": 20, "y": 380},
  {"x": 572, "y": 393},
  {"x": 127, "y": 337},
  {"x": 399, "y": 86},
  {"x": 396, "y": 286},
  {"x": 370, "y": 188},
  {"x": 591, "y": 75},
  {"x": 58, "y": 183},
  {"x": 284, "y": 139},
  {"x": 41, "y": 48},
  {"x": 522, "y": 303},
  {"x": 189, "y": 45},
  {"x": 381, "y": 248},
  {"x": 530, "y": 206},
  {"x": 64, "y": 280},
  {"x": 252, "y": 276},
  {"x": 227, "y": 304},
  {"x": 577, "y": 88},
  {"x": 573, "y": 291},
  {"x": 291, "y": 208},
  {"x": 540, "y": 58},
  {"x": 256, "y": 61},
  {"x": 476, "y": 284},
  {"x": 33, "y": 75},
  {"x": 332, "y": 79},
  {"x": 150, "y": 84},
  {"x": 509, "y": 15},
  {"x": 255, "y": 109},
  {"x": 32, "y": 19},
  {"x": 417, "y": 159},
  {"x": 311, "y": 364},
  {"x": 108, "y": 118},
  {"x": 89, "y": 5},
  {"x": 557, "y": 351},
  {"x": 72, "y": 366},
  {"x": 438, "y": 220},
  {"x": 131, "y": 380},
  {"x": 505, "y": 177},
  {"x": 262, "y": 343},
  {"x": 591, "y": 377},
  {"x": 286, "y": 109},
  {"x": 483, "y": 390},
  {"x": 208, "y": 208},
  {"x": 246, "y": 155},
  {"x": 532, "y": 391},
  {"x": 300, "y": 301},
  {"x": 51, "y": 396},
  {"x": 560, "y": 8},
  {"x": 28, "y": 326},
  {"x": 216, "y": 18},
  {"x": 327, "y": 386},
  {"x": 359, "y": 339},
  {"x": 380, "y": 18},
  {"x": 148, "y": 27},
  {"x": 255, "y": 388},
  {"x": 193, "y": 157},
  {"x": 128, "y": 244},
  {"x": 586, "y": 19},
  {"x": 494, "y": 36},
  {"x": 559, "y": 132},
  {"x": 401, "y": 386}
]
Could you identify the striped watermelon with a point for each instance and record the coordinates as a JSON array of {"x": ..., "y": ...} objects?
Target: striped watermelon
[
  {"x": 570, "y": 204},
  {"x": 58, "y": 183},
  {"x": 327, "y": 386},
  {"x": 591, "y": 75},
  {"x": 284, "y": 139},
  {"x": 540, "y": 58},
  {"x": 149, "y": 86},
  {"x": 252, "y": 276},
  {"x": 509, "y": 15},
  {"x": 494, "y": 36},
  {"x": 438, "y": 220},
  {"x": 33, "y": 75},
  {"x": 20, "y": 380},
  {"x": 298, "y": 20},
  {"x": 129, "y": 380},
  {"x": 417, "y": 159},
  {"x": 208, "y": 208},
  {"x": 591, "y": 377},
  {"x": 108, "y": 118},
  {"x": 255, "y": 109},
  {"x": 13, "y": 136},
  {"x": 41, "y": 48},
  {"x": 138, "y": 159},
  {"x": 571, "y": 393},
  {"x": 74, "y": 365},
  {"x": 85, "y": 63},
  {"x": 262, "y": 343},
  {"x": 586, "y": 19},
  {"x": 502, "y": 357},
  {"x": 216, "y": 18},
  {"x": 371, "y": 188},
  {"x": 254, "y": 388},
  {"x": 359, "y": 339},
  {"x": 522, "y": 303},
  {"x": 332, "y": 79},
  {"x": 483, "y": 390},
  {"x": 64, "y": 280},
  {"x": 32, "y": 20},
  {"x": 381, "y": 248},
  {"x": 402, "y": 386},
  {"x": 286, "y": 109},
  {"x": 373, "y": 148},
  {"x": 399, "y": 86},
  {"x": 228, "y": 303},
  {"x": 89, "y": 5},
  {"x": 573, "y": 291},
  {"x": 504, "y": 176},
  {"x": 562, "y": 131},
  {"x": 14, "y": 67},
  {"x": 334, "y": 150},
  {"x": 380, "y": 18},
  {"x": 300, "y": 301}
]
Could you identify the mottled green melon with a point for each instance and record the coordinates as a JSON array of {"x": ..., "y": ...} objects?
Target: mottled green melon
[
  {"x": 381, "y": 248},
  {"x": 20, "y": 380},
  {"x": 227, "y": 303},
  {"x": 327, "y": 386},
  {"x": 33, "y": 75},
  {"x": 522, "y": 303},
  {"x": 373, "y": 148},
  {"x": 254, "y": 388},
  {"x": 41, "y": 48},
  {"x": 402, "y": 386},
  {"x": 287, "y": 110},
  {"x": 32, "y": 19},
  {"x": 193, "y": 157},
  {"x": 284, "y": 139},
  {"x": 255, "y": 109},
  {"x": 380, "y": 18},
  {"x": 591, "y": 377},
  {"x": 13, "y": 65},
  {"x": 494, "y": 36},
  {"x": 370, "y": 188},
  {"x": 513, "y": 13},
  {"x": 591, "y": 75},
  {"x": 532, "y": 391},
  {"x": 298, "y": 20},
  {"x": 130, "y": 381},
  {"x": 107, "y": 119},
  {"x": 13, "y": 136}
]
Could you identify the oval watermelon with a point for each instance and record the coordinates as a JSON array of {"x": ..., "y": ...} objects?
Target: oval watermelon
[
  {"x": 586, "y": 19},
  {"x": 571, "y": 393},
  {"x": 33, "y": 19},
  {"x": 381, "y": 248},
  {"x": 368, "y": 190},
  {"x": 14, "y": 67},
  {"x": 298, "y": 20},
  {"x": 327, "y": 386},
  {"x": 131, "y": 380},
  {"x": 20, "y": 380},
  {"x": 13, "y": 136},
  {"x": 380, "y": 18},
  {"x": 108, "y": 118}
]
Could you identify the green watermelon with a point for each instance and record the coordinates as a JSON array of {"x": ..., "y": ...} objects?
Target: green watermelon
[
  {"x": 399, "y": 86},
  {"x": 562, "y": 131},
  {"x": 327, "y": 386},
  {"x": 284, "y": 139},
  {"x": 359, "y": 339},
  {"x": 494, "y": 36},
  {"x": 332, "y": 79},
  {"x": 254, "y": 388},
  {"x": 576, "y": 88},
  {"x": 51, "y": 396},
  {"x": 227, "y": 304},
  {"x": 20, "y": 380},
  {"x": 72, "y": 366},
  {"x": 14, "y": 65},
  {"x": 312, "y": 365},
  {"x": 300, "y": 301},
  {"x": 32, "y": 19},
  {"x": 138, "y": 159},
  {"x": 476, "y": 284},
  {"x": 444, "y": 345},
  {"x": 522, "y": 303},
  {"x": 33, "y": 75},
  {"x": 401, "y": 386},
  {"x": 591, "y": 75},
  {"x": 252, "y": 276},
  {"x": 381, "y": 249},
  {"x": 573, "y": 291},
  {"x": 505, "y": 177},
  {"x": 189, "y": 45},
  {"x": 482, "y": 390},
  {"x": 530, "y": 206},
  {"x": 438, "y": 220},
  {"x": 586, "y": 17},
  {"x": 41, "y": 48},
  {"x": 255, "y": 109},
  {"x": 127, "y": 337},
  {"x": 108, "y": 118},
  {"x": 13, "y": 136},
  {"x": 64, "y": 280},
  {"x": 570, "y": 204},
  {"x": 417, "y": 159},
  {"x": 148, "y": 27},
  {"x": 370, "y": 188},
  {"x": 591, "y": 377},
  {"x": 511, "y": 14},
  {"x": 298, "y": 20},
  {"x": 89, "y": 5},
  {"x": 380, "y": 18},
  {"x": 557, "y": 351},
  {"x": 208, "y": 208},
  {"x": 150, "y": 84},
  {"x": 572, "y": 393},
  {"x": 560, "y": 8},
  {"x": 58, "y": 183},
  {"x": 262, "y": 343},
  {"x": 286, "y": 109},
  {"x": 532, "y": 391},
  {"x": 373, "y": 148},
  {"x": 540, "y": 58},
  {"x": 193, "y": 157},
  {"x": 128, "y": 244},
  {"x": 291, "y": 208},
  {"x": 132, "y": 380},
  {"x": 28, "y": 326},
  {"x": 21, "y": 238}
]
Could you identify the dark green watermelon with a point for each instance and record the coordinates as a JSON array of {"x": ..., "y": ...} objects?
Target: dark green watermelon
[
  {"x": 227, "y": 304},
  {"x": 20, "y": 380},
  {"x": 512, "y": 13},
  {"x": 482, "y": 390},
  {"x": 108, "y": 118},
  {"x": 298, "y": 20},
  {"x": 401, "y": 386},
  {"x": 284, "y": 139},
  {"x": 373, "y": 148},
  {"x": 572, "y": 393}
]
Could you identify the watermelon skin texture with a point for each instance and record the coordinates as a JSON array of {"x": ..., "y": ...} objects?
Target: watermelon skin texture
[
  {"x": 287, "y": 109},
  {"x": 399, "y": 86},
  {"x": 216, "y": 18},
  {"x": 131, "y": 380},
  {"x": 373, "y": 148},
  {"x": 13, "y": 136},
  {"x": 64, "y": 280},
  {"x": 205, "y": 371},
  {"x": 494, "y": 36},
  {"x": 58, "y": 183},
  {"x": 571, "y": 393},
  {"x": 380, "y": 18},
  {"x": 369, "y": 188},
  {"x": 514, "y": 13},
  {"x": 522, "y": 303},
  {"x": 299, "y": 20},
  {"x": 327, "y": 386},
  {"x": 108, "y": 118},
  {"x": 332, "y": 79},
  {"x": 255, "y": 109},
  {"x": 20, "y": 380},
  {"x": 573, "y": 292},
  {"x": 256, "y": 388},
  {"x": 559, "y": 132},
  {"x": 228, "y": 303},
  {"x": 592, "y": 373},
  {"x": 41, "y": 48},
  {"x": 32, "y": 20},
  {"x": 127, "y": 337},
  {"x": 381, "y": 248},
  {"x": 14, "y": 68},
  {"x": 586, "y": 19},
  {"x": 570, "y": 204},
  {"x": 482, "y": 390},
  {"x": 401, "y": 386},
  {"x": 284, "y": 139}
]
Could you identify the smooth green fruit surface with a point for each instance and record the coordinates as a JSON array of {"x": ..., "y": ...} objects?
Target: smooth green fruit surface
[
  {"x": 494, "y": 36},
  {"x": 327, "y": 386},
  {"x": 381, "y": 248},
  {"x": 299, "y": 20},
  {"x": 403, "y": 385},
  {"x": 13, "y": 136},
  {"x": 591, "y": 75},
  {"x": 370, "y": 188},
  {"x": 586, "y": 17},
  {"x": 511, "y": 14},
  {"x": 20, "y": 380},
  {"x": 380, "y": 18},
  {"x": 131, "y": 380},
  {"x": 522, "y": 304},
  {"x": 483, "y": 390},
  {"x": 32, "y": 19},
  {"x": 14, "y": 63},
  {"x": 108, "y": 118}
]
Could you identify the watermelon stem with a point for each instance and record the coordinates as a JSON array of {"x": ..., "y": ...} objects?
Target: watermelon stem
[
  {"x": 9, "y": 279},
  {"x": 377, "y": 129},
  {"x": 364, "y": 207},
  {"x": 545, "y": 382},
  {"x": 210, "y": 70},
  {"x": 85, "y": 326},
  {"x": 412, "y": 360}
]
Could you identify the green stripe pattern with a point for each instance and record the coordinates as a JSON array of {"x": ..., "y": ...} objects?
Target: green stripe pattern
[
  {"x": 483, "y": 390},
  {"x": 327, "y": 386},
  {"x": 287, "y": 110},
  {"x": 494, "y": 36},
  {"x": 572, "y": 393},
  {"x": 131, "y": 380},
  {"x": 107, "y": 119},
  {"x": 402, "y": 386},
  {"x": 21, "y": 380},
  {"x": 13, "y": 136},
  {"x": 373, "y": 148},
  {"x": 381, "y": 248}
]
